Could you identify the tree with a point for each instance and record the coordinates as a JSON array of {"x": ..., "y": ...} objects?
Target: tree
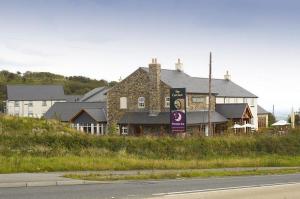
[{"x": 272, "y": 119}]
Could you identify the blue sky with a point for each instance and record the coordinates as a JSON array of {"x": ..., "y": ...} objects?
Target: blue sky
[{"x": 256, "y": 40}]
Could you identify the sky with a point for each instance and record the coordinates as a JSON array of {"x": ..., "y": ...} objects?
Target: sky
[{"x": 256, "y": 40}]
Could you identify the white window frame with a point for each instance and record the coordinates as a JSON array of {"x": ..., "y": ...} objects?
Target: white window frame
[
  {"x": 17, "y": 103},
  {"x": 167, "y": 102},
  {"x": 124, "y": 130},
  {"x": 227, "y": 100},
  {"x": 141, "y": 102},
  {"x": 199, "y": 99},
  {"x": 123, "y": 102},
  {"x": 30, "y": 104}
]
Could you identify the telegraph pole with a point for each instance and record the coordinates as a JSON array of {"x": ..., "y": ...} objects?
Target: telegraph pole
[{"x": 209, "y": 96}]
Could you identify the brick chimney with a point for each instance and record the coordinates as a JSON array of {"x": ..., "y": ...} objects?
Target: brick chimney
[{"x": 154, "y": 87}]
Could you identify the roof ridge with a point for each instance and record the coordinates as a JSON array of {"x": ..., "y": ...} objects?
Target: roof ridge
[{"x": 34, "y": 85}]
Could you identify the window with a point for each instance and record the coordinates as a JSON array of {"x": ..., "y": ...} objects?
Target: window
[
  {"x": 186, "y": 101},
  {"x": 124, "y": 130},
  {"x": 123, "y": 103},
  {"x": 198, "y": 99},
  {"x": 30, "y": 104},
  {"x": 44, "y": 103},
  {"x": 17, "y": 104},
  {"x": 167, "y": 102},
  {"x": 141, "y": 102},
  {"x": 227, "y": 100}
]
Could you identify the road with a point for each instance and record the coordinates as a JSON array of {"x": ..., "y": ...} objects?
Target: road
[{"x": 143, "y": 189}]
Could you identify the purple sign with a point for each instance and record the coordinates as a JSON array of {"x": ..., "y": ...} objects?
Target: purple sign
[
  {"x": 178, "y": 121},
  {"x": 177, "y": 110}
]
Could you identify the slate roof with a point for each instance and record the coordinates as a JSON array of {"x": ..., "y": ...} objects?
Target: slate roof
[
  {"x": 221, "y": 87},
  {"x": 197, "y": 117},
  {"x": 261, "y": 110},
  {"x": 231, "y": 111},
  {"x": 98, "y": 114},
  {"x": 35, "y": 92},
  {"x": 95, "y": 95},
  {"x": 73, "y": 98},
  {"x": 64, "y": 111}
]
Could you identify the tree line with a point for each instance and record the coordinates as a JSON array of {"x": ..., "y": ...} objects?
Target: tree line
[{"x": 73, "y": 85}]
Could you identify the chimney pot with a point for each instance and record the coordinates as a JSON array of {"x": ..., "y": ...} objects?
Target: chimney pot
[
  {"x": 227, "y": 76},
  {"x": 178, "y": 65}
]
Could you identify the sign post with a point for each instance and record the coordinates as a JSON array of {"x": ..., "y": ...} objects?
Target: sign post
[{"x": 178, "y": 110}]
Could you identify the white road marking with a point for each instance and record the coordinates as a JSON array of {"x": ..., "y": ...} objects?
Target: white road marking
[{"x": 221, "y": 189}]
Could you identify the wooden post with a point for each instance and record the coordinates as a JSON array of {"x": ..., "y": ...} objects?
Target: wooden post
[{"x": 209, "y": 97}]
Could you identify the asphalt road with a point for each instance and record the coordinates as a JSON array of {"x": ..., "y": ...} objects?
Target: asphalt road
[{"x": 142, "y": 189}]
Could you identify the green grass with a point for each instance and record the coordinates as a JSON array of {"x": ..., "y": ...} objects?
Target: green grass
[
  {"x": 178, "y": 174},
  {"x": 76, "y": 163},
  {"x": 37, "y": 145}
]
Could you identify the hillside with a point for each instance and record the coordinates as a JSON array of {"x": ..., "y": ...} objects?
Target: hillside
[{"x": 73, "y": 85}]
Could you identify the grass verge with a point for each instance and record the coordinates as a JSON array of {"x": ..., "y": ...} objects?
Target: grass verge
[
  {"x": 20, "y": 163},
  {"x": 178, "y": 174}
]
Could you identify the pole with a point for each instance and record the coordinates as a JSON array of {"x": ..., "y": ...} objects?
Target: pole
[
  {"x": 293, "y": 118},
  {"x": 209, "y": 96}
]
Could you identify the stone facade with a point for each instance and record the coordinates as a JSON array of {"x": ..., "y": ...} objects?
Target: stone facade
[
  {"x": 154, "y": 87},
  {"x": 134, "y": 86},
  {"x": 194, "y": 105},
  {"x": 148, "y": 85}
]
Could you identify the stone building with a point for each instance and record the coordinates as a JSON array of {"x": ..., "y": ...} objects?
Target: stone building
[{"x": 140, "y": 103}]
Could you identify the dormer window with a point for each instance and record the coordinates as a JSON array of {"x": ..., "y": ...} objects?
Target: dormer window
[
  {"x": 141, "y": 102},
  {"x": 123, "y": 103}
]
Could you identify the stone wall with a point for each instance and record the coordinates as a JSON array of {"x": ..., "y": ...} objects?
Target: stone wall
[
  {"x": 154, "y": 87},
  {"x": 197, "y": 106},
  {"x": 134, "y": 86},
  {"x": 137, "y": 85}
]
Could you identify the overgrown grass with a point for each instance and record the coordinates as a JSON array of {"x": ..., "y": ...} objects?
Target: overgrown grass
[
  {"x": 178, "y": 174},
  {"x": 14, "y": 164},
  {"x": 31, "y": 145}
]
